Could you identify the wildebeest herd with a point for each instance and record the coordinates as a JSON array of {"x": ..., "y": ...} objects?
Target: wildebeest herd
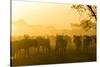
[{"x": 43, "y": 46}]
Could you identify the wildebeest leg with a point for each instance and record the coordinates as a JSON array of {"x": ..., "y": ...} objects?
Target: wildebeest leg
[
  {"x": 27, "y": 52},
  {"x": 46, "y": 51}
]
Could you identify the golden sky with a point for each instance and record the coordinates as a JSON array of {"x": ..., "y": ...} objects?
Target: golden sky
[
  {"x": 46, "y": 14},
  {"x": 56, "y": 15}
]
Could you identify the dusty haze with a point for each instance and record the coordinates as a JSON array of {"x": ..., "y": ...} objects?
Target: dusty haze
[{"x": 35, "y": 18}]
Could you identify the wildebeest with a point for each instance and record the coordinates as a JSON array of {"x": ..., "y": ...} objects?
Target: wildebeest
[
  {"x": 25, "y": 44},
  {"x": 84, "y": 42},
  {"x": 94, "y": 39},
  {"x": 43, "y": 44},
  {"x": 89, "y": 42},
  {"x": 69, "y": 41},
  {"x": 61, "y": 44},
  {"x": 78, "y": 41}
]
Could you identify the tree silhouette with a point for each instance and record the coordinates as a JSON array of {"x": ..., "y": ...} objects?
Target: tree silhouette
[{"x": 87, "y": 23}]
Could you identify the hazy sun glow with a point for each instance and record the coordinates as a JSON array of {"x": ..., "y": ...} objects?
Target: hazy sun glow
[{"x": 30, "y": 16}]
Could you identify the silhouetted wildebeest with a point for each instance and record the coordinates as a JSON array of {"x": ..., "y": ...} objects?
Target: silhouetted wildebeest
[
  {"x": 43, "y": 44},
  {"x": 84, "y": 42},
  {"x": 61, "y": 44},
  {"x": 89, "y": 42},
  {"x": 94, "y": 39},
  {"x": 78, "y": 41},
  {"x": 68, "y": 40},
  {"x": 24, "y": 44},
  {"x": 17, "y": 45}
]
